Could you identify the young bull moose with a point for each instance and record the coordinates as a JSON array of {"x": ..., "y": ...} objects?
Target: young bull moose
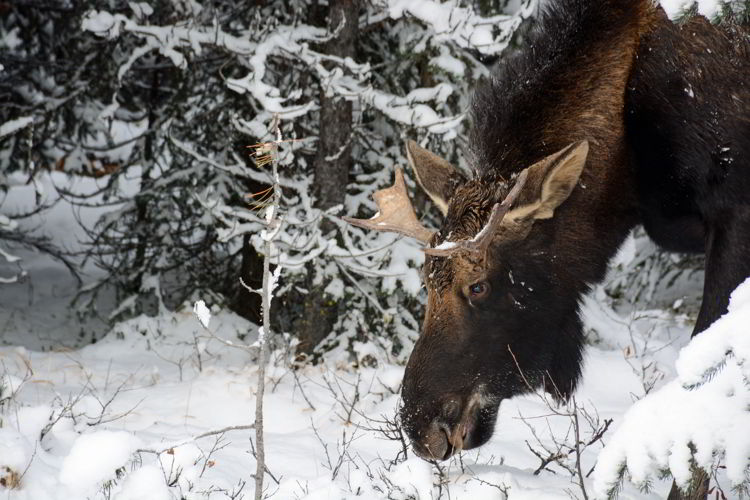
[{"x": 610, "y": 117}]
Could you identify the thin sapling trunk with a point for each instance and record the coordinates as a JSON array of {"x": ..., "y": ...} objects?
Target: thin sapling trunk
[{"x": 273, "y": 224}]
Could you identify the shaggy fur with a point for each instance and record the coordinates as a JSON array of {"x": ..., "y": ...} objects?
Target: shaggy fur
[
  {"x": 688, "y": 124},
  {"x": 678, "y": 163},
  {"x": 566, "y": 85}
]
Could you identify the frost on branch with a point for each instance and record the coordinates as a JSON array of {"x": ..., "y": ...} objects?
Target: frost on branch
[
  {"x": 202, "y": 312},
  {"x": 700, "y": 419},
  {"x": 461, "y": 25}
]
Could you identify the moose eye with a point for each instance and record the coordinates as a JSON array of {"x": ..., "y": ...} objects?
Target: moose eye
[{"x": 478, "y": 290}]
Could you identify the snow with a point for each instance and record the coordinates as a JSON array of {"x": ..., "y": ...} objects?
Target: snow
[
  {"x": 47, "y": 285},
  {"x": 202, "y": 312},
  {"x": 674, "y": 8},
  {"x": 13, "y": 126},
  {"x": 446, "y": 245},
  {"x": 141, "y": 9},
  {"x": 705, "y": 407},
  {"x": 11, "y": 39},
  {"x": 413, "y": 477},
  {"x": 8, "y": 257},
  {"x": 144, "y": 483},
  {"x": 99, "y": 22},
  {"x": 94, "y": 457},
  {"x": 14, "y": 449},
  {"x": 728, "y": 336},
  {"x": 459, "y": 24},
  {"x": 448, "y": 63},
  {"x": 335, "y": 288}
]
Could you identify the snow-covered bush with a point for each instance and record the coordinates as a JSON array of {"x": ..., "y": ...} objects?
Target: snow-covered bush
[{"x": 698, "y": 420}]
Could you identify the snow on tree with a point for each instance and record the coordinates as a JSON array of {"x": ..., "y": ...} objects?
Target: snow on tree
[
  {"x": 700, "y": 419},
  {"x": 159, "y": 102}
]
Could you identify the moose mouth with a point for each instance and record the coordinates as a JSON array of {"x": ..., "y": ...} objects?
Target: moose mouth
[{"x": 472, "y": 427}]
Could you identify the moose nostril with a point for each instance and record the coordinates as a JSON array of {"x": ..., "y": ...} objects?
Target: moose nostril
[
  {"x": 451, "y": 410},
  {"x": 450, "y": 447},
  {"x": 446, "y": 430},
  {"x": 435, "y": 443}
]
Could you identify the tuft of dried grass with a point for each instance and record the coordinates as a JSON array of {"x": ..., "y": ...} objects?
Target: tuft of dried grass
[
  {"x": 263, "y": 153},
  {"x": 9, "y": 478}
]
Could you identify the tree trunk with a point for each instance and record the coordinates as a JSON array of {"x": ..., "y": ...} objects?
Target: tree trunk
[
  {"x": 332, "y": 164},
  {"x": 333, "y": 160}
]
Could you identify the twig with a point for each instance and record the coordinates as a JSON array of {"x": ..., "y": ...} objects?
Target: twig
[
  {"x": 268, "y": 471},
  {"x": 301, "y": 390},
  {"x": 223, "y": 430},
  {"x": 562, "y": 449},
  {"x": 577, "y": 431}
]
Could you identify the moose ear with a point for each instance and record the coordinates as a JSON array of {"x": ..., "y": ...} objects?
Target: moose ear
[
  {"x": 550, "y": 182},
  {"x": 438, "y": 178}
]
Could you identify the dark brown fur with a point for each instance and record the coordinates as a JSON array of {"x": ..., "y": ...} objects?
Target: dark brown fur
[
  {"x": 689, "y": 129},
  {"x": 677, "y": 164},
  {"x": 568, "y": 85}
]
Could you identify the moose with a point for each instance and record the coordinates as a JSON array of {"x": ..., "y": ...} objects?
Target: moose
[{"x": 610, "y": 117}]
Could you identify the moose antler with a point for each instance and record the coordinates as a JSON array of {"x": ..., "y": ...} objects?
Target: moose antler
[
  {"x": 395, "y": 213},
  {"x": 480, "y": 243}
]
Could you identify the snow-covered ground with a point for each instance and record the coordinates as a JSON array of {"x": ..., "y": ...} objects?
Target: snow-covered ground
[{"x": 75, "y": 421}]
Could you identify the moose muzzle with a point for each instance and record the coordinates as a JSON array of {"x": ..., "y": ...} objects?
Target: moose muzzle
[{"x": 451, "y": 431}]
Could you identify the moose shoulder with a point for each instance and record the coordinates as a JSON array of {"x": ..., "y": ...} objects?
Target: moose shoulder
[{"x": 562, "y": 174}]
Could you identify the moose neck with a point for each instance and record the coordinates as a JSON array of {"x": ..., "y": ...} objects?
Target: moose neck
[{"x": 569, "y": 85}]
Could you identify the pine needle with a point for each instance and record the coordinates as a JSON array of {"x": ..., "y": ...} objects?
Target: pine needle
[
  {"x": 263, "y": 153},
  {"x": 261, "y": 199}
]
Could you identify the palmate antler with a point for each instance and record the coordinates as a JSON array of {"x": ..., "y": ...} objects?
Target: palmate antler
[
  {"x": 395, "y": 213},
  {"x": 480, "y": 243}
]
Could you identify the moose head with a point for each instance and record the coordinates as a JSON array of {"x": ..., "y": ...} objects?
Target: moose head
[{"x": 501, "y": 312}]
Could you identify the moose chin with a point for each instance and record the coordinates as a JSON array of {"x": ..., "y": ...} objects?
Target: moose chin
[{"x": 576, "y": 139}]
